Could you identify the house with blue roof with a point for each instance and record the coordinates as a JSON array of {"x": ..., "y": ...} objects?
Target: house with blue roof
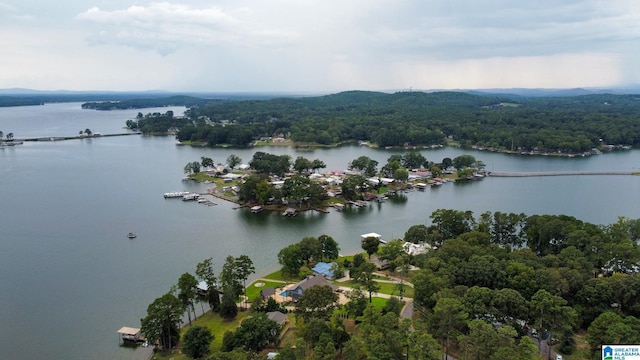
[{"x": 324, "y": 269}]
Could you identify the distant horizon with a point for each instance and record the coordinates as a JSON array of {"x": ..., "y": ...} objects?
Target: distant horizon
[{"x": 635, "y": 88}]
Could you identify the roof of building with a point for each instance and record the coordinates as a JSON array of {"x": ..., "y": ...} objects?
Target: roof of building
[
  {"x": 416, "y": 249},
  {"x": 313, "y": 281},
  {"x": 266, "y": 292},
  {"x": 324, "y": 269},
  {"x": 125, "y": 330},
  {"x": 374, "y": 235},
  {"x": 277, "y": 316},
  {"x": 202, "y": 286}
]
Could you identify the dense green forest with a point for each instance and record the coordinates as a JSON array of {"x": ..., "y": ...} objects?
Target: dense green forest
[
  {"x": 559, "y": 274},
  {"x": 177, "y": 100},
  {"x": 554, "y": 124}
]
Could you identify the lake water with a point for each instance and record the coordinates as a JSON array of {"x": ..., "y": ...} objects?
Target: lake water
[{"x": 69, "y": 277}]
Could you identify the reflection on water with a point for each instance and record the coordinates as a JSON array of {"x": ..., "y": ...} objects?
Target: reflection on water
[{"x": 398, "y": 199}]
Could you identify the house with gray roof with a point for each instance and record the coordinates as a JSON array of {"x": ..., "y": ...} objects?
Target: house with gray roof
[
  {"x": 278, "y": 317},
  {"x": 298, "y": 289}
]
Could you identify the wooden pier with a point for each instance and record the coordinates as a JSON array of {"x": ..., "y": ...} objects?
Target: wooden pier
[
  {"x": 77, "y": 137},
  {"x": 557, "y": 173}
]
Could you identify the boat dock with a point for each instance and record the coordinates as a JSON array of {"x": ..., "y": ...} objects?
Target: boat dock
[
  {"x": 290, "y": 212},
  {"x": 78, "y": 137},
  {"x": 359, "y": 203},
  {"x": 190, "y": 196},
  {"x": 338, "y": 206},
  {"x": 130, "y": 334},
  {"x": 175, "y": 194},
  {"x": 256, "y": 209}
]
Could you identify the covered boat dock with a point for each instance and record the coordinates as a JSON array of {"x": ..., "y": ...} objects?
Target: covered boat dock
[{"x": 130, "y": 334}]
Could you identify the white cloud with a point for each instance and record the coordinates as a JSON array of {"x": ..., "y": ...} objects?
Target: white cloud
[{"x": 167, "y": 27}]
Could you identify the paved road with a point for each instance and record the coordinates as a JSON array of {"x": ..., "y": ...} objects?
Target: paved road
[{"x": 407, "y": 310}]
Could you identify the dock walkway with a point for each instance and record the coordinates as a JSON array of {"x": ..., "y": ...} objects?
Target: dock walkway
[
  {"x": 556, "y": 173},
  {"x": 78, "y": 137}
]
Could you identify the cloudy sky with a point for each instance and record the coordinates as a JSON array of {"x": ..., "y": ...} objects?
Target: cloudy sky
[{"x": 317, "y": 45}]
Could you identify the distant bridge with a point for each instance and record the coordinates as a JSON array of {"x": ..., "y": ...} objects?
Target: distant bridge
[
  {"x": 76, "y": 137},
  {"x": 558, "y": 173}
]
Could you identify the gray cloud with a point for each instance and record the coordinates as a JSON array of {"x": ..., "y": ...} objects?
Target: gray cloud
[
  {"x": 167, "y": 27},
  {"x": 318, "y": 45}
]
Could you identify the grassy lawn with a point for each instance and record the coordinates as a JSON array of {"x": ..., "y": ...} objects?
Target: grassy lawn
[
  {"x": 378, "y": 302},
  {"x": 253, "y": 291},
  {"x": 213, "y": 322},
  {"x": 202, "y": 177},
  {"x": 385, "y": 288},
  {"x": 271, "y": 143},
  {"x": 378, "y": 277},
  {"x": 392, "y": 289},
  {"x": 277, "y": 276}
]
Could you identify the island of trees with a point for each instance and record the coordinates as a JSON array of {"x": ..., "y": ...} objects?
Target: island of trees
[
  {"x": 499, "y": 286},
  {"x": 279, "y": 182},
  {"x": 558, "y": 125}
]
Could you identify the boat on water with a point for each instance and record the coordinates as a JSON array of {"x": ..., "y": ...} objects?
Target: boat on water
[{"x": 132, "y": 235}]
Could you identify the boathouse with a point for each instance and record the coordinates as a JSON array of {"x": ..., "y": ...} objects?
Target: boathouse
[
  {"x": 129, "y": 334},
  {"x": 372, "y": 235},
  {"x": 202, "y": 288}
]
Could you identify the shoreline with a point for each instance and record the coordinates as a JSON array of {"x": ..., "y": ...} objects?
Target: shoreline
[{"x": 307, "y": 146}]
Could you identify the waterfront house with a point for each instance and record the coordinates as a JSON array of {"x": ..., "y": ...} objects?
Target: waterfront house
[
  {"x": 298, "y": 289},
  {"x": 202, "y": 288},
  {"x": 324, "y": 269},
  {"x": 415, "y": 249}
]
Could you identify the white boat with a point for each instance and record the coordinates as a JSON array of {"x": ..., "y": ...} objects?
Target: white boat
[{"x": 132, "y": 235}]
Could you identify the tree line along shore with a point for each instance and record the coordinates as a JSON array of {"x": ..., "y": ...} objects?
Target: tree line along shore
[{"x": 559, "y": 126}]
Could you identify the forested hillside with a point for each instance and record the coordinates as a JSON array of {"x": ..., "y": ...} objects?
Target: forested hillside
[{"x": 565, "y": 124}]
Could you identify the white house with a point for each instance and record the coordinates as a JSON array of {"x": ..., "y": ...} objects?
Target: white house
[{"x": 415, "y": 249}]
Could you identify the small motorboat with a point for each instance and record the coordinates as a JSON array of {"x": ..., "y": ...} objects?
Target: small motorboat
[{"x": 132, "y": 235}]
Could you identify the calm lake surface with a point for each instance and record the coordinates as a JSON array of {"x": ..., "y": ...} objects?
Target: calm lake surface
[{"x": 69, "y": 277}]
